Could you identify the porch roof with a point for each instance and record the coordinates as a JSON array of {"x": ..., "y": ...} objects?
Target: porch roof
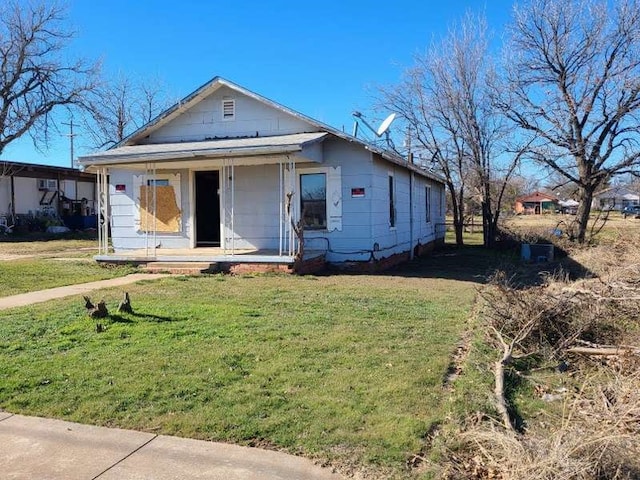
[{"x": 226, "y": 147}]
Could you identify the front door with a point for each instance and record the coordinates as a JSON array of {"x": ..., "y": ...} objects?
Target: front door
[{"x": 208, "y": 209}]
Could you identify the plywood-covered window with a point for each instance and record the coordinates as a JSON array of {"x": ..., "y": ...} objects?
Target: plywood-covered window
[{"x": 158, "y": 203}]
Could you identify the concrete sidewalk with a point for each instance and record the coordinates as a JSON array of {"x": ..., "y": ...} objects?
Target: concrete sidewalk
[
  {"x": 39, "y": 448},
  {"x": 39, "y": 296}
]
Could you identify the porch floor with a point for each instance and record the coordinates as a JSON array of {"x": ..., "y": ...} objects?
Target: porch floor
[{"x": 205, "y": 254}]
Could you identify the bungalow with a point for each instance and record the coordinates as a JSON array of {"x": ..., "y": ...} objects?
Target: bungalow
[
  {"x": 536, "y": 203},
  {"x": 231, "y": 177},
  {"x": 615, "y": 198},
  {"x": 30, "y": 190}
]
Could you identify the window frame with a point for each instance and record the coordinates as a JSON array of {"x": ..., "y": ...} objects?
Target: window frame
[
  {"x": 159, "y": 182},
  {"x": 314, "y": 171},
  {"x": 427, "y": 203},
  {"x": 392, "y": 202}
]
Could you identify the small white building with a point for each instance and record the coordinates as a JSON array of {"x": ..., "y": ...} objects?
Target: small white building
[{"x": 227, "y": 176}]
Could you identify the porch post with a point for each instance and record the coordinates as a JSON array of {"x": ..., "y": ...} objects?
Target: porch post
[
  {"x": 150, "y": 201},
  {"x": 154, "y": 236},
  {"x": 98, "y": 192},
  {"x": 281, "y": 206},
  {"x": 228, "y": 203},
  {"x": 103, "y": 210},
  {"x": 292, "y": 207}
]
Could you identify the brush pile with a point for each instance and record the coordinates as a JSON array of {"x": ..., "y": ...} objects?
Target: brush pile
[{"x": 586, "y": 332}]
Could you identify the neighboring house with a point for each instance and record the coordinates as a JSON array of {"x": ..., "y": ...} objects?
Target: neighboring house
[
  {"x": 227, "y": 175},
  {"x": 536, "y": 203},
  {"x": 30, "y": 190},
  {"x": 615, "y": 198}
]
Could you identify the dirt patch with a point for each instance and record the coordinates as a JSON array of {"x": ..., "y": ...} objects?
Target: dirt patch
[{"x": 6, "y": 257}]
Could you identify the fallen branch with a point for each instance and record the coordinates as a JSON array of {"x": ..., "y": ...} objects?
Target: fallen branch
[
  {"x": 607, "y": 351},
  {"x": 498, "y": 373},
  {"x": 599, "y": 297}
]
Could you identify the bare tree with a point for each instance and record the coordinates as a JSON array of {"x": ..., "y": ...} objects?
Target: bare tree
[
  {"x": 119, "y": 107},
  {"x": 35, "y": 78},
  {"x": 575, "y": 81},
  {"x": 447, "y": 100}
]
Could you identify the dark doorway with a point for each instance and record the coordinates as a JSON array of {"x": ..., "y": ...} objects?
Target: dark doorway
[{"x": 208, "y": 209}]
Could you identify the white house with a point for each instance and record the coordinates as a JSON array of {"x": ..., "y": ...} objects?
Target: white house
[
  {"x": 226, "y": 175},
  {"x": 615, "y": 198}
]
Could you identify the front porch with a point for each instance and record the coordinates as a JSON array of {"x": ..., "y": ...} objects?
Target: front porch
[
  {"x": 179, "y": 202},
  {"x": 213, "y": 259}
]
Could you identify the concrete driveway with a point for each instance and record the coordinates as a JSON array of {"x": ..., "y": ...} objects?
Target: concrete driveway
[{"x": 40, "y": 448}]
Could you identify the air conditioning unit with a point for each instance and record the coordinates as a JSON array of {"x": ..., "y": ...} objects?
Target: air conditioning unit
[{"x": 47, "y": 184}]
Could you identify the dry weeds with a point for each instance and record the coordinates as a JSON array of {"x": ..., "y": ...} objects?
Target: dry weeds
[{"x": 596, "y": 435}]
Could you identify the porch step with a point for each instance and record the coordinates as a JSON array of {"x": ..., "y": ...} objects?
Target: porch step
[{"x": 181, "y": 268}]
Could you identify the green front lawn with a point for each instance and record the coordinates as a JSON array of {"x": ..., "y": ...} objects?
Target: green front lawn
[
  {"x": 342, "y": 368},
  {"x": 31, "y": 274}
]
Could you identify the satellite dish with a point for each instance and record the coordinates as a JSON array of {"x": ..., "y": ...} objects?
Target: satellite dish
[
  {"x": 384, "y": 126},
  {"x": 382, "y": 129}
]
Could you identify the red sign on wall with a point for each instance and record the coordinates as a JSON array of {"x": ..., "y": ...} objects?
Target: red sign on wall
[{"x": 357, "y": 192}]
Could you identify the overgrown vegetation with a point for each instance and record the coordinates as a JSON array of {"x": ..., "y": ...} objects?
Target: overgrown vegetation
[{"x": 564, "y": 357}]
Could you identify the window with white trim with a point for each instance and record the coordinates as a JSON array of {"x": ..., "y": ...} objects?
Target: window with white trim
[
  {"x": 228, "y": 109},
  {"x": 313, "y": 200}
]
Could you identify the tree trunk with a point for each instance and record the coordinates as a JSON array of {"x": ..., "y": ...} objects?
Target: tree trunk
[
  {"x": 488, "y": 231},
  {"x": 584, "y": 210},
  {"x": 458, "y": 214}
]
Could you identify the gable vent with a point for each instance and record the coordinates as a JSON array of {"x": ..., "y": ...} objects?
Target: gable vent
[{"x": 228, "y": 109}]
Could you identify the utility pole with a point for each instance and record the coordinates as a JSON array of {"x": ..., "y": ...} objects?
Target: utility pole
[{"x": 70, "y": 135}]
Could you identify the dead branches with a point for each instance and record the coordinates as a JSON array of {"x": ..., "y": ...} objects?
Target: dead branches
[
  {"x": 594, "y": 438},
  {"x": 557, "y": 320},
  {"x": 588, "y": 329}
]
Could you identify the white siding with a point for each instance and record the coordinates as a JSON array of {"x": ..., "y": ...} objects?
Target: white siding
[
  {"x": 256, "y": 207},
  {"x": 252, "y": 118},
  {"x": 125, "y": 235},
  {"x": 403, "y": 237},
  {"x": 354, "y": 241},
  {"x": 27, "y": 195},
  {"x": 5, "y": 195}
]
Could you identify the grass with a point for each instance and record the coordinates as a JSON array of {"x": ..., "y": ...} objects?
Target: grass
[
  {"x": 31, "y": 274},
  {"x": 36, "y": 269},
  {"x": 76, "y": 247},
  {"x": 347, "y": 369}
]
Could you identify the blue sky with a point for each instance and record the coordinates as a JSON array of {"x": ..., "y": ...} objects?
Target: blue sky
[{"x": 320, "y": 58}]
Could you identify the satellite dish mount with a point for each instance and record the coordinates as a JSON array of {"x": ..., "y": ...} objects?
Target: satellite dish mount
[{"x": 383, "y": 129}]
